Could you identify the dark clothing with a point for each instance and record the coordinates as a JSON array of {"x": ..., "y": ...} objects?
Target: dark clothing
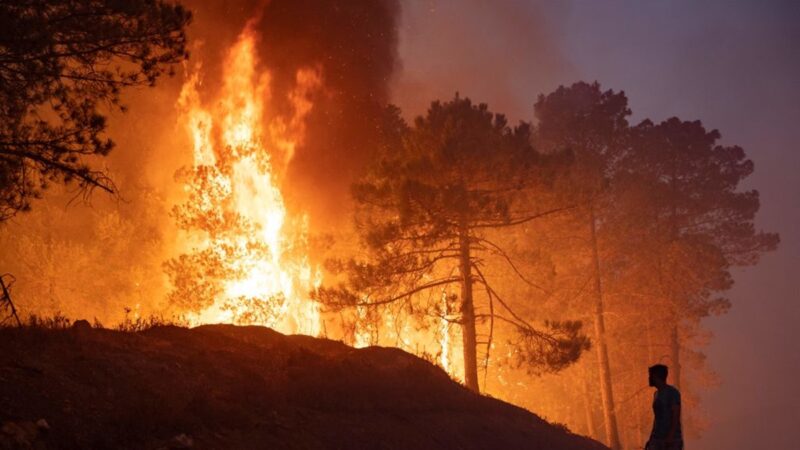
[
  {"x": 663, "y": 402},
  {"x": 663, "y": 446}
]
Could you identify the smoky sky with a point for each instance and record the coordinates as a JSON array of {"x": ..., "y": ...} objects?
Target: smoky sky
[
  {"x": 502, "y": 53},
  {"x": 354, "y": 46},
  {"x": 354, "y": 43}
]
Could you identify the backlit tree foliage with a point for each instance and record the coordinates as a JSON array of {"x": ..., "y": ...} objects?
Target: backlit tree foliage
[
  {"x": 582, "y": 217},
  {"x": 668, "y": 222},
  {"x": 63, "y": 66},
  {"x": 426, "y": 214}
]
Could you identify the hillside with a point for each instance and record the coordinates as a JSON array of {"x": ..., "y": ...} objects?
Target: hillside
[{"x": 233, "y": 387}]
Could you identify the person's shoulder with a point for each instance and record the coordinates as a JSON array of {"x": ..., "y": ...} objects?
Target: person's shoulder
[{"x": 674, "y": 392}]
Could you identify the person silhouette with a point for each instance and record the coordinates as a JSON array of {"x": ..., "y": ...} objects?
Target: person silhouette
[{"x": 666, "y": 434}]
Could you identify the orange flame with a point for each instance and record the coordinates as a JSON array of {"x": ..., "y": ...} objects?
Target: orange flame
[
  {"x": 266, "y": 271},
  {"x": 236, "y": 141}
]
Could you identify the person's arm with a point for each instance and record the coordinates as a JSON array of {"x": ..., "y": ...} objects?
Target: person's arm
[{"x": 675, "y": 419}]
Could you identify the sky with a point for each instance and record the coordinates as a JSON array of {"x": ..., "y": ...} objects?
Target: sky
[{"x": 733, "y": 64}]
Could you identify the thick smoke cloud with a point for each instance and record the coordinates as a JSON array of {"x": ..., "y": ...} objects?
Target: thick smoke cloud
[
  {"x": 502, "y": 52},
  {"x": 353, "y": 45}
]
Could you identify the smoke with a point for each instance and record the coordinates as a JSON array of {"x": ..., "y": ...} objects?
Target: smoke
[
  {"x": 98, "y": 260},
  {"x": 503, "y": 52},
  {"x": 352, "y": 44},
  {"x": 356, "y": 47}
]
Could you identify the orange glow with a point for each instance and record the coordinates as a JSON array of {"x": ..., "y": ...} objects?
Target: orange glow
[
  {"x": 235, "y": 143},
  {"x": 444, "y": 333},
  {"x": 240, "y": 151}
]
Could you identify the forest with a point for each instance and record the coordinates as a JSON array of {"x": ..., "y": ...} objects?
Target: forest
[{"x": 265, "y": 180}]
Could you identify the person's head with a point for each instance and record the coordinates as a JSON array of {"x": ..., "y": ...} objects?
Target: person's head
[{"x": 657, "y": 375}]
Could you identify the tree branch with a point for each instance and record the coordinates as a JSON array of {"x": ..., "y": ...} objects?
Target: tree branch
[
  {"x": 411, "y": 292},
  {"x": 502, "y": 253}
]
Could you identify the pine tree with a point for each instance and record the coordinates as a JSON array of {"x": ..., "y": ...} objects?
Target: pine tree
[
  {"x": 63, "y": 65},
  {"x": 699, "y": 223},
  {"x": 425, "y": 213},
  {"x": 592, "y": 125}
]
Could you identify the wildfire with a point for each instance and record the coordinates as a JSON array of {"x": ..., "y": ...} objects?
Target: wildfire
[
  {"x": 444, "y": 332},
  {"x": 244, "y": 257},
  {"x": 237, "y": 219}
]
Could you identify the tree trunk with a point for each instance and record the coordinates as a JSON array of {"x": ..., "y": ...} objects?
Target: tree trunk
[
  {"x": 606, "y": 389},
  {"x": 675, "y": 356},
  {"x": 587, "y": 409},
  {"x": 468, "y": 314}
]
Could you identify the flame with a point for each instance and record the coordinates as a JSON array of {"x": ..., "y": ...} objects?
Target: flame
[
  {"x": 236, "y": 217},
  {"x": 234, "y": 187},
  {"x": 444, "y": 334}
]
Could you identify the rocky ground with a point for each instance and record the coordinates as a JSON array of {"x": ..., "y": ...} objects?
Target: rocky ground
[{"x": 227, "y": 387}]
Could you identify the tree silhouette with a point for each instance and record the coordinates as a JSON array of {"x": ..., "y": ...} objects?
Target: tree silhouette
[
  {"x": 425, "y": 212},
  {"x": 63, "y": 64},
  {"x": 592, "y": 125},
  {"x": 698, "y": 223},
  {"x": 660, "y": 222}
]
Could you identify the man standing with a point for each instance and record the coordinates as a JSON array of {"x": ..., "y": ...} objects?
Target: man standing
[{"x": 666, "y": 434}]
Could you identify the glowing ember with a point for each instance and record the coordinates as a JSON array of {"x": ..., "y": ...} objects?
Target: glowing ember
[{"x": 237, "y": 225}]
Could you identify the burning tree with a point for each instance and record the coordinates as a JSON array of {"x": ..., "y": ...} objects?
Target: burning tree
[
  {"x": 244, "y": 258},
  {"x": 426, "y": 213},
  {"x": 61, "y": 64}
]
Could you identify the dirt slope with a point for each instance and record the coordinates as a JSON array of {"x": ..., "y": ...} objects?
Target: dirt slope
[{"x": 243, "y": 387}]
